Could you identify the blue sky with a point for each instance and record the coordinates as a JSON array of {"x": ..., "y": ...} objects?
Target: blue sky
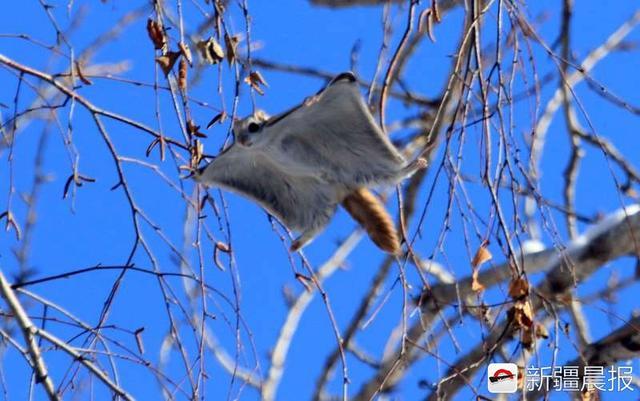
[{"x": 96, "y": 228}]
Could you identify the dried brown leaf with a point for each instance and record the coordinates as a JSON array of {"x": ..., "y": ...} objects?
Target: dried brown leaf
[
  {"x": 522, "y": 314},
  {"x": 482, "y": 255},
  {"x": 256, "y": 81},
  {"x": 167, "y": 61},
  {"x": 531, "y": 333},
  {"x": 518, "y": 288},
  {"x": 541, "y": 331},
  {"x": 476, "y": 286},
  {"x": 526, "y": 338},
  {"x": 156, "y": 34},
  {"x": 590, "y": 395}
]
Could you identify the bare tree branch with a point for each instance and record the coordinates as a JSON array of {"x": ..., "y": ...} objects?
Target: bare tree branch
[
  {"x": 29, "y": 331},
  {"x": 616, "y": 236}
]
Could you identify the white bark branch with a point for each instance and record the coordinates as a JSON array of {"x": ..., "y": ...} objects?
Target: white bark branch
[
  {"x": 78, "y": 356},
  {"x": 290, "y": 325},
  {"x": 28, "y": 331}
]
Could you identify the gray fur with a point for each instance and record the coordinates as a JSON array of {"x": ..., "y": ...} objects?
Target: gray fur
[{"x": 301, "y": 164}]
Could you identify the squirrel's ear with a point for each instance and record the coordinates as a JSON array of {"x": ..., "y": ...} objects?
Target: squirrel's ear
[
  {"x": 344, "y": 77},
  {"x": 261, "y": 115}
]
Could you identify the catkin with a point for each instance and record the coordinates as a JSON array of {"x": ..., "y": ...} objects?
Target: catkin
[{"x": 370, "y": 213}]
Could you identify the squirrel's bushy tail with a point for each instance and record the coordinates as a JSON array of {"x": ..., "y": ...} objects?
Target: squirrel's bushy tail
[{"x": 370, "y": 213}]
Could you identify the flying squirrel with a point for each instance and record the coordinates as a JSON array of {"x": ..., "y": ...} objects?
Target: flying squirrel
[{"x": 299, "y": 165}]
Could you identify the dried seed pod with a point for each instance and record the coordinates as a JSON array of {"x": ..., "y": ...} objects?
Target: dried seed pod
[
  {"x": 186, "y": 52},
  {"x": 194, "y": 130},
  {"x": 220, "y": 117},
  {"x": 231, "y": 43},
  {"x": 78, "y": 180},
  {"x": 223, "y": 247},
  {"x": 11, "y": 223},
  {"x": 197, "y": 150},
  {"x": 182, "y": 74},
  {"x": 210, "y": 51}
]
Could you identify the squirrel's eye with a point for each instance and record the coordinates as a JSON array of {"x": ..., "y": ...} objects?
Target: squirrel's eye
[{"x": 253, "y": 127}]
